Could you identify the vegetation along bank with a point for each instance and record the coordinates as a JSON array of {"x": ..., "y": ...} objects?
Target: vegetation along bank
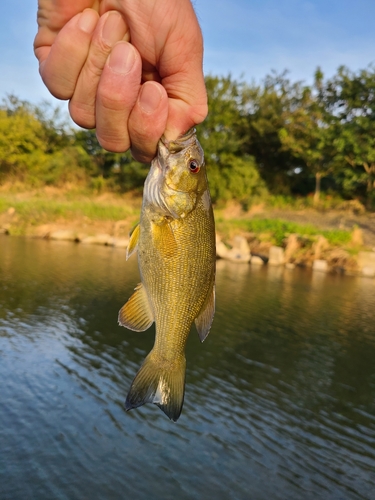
[{"x": 290, "y": 165}]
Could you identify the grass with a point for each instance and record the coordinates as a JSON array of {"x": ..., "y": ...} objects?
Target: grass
[
  {"x": 277, "y": 230},
  {"x": 73, "y": 206},
  {"x": 36, "y": 209}
]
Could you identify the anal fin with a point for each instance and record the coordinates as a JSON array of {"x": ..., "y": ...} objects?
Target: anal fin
[
  {"x": 137, "y": 314},
  {"x": 204, "y": 320}
]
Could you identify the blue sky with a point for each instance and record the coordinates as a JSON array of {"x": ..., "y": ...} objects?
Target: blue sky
[{"x": 242, "y": 37}]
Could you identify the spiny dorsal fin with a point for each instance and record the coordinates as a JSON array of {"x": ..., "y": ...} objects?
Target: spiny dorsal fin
[
  {"x": 133, "y": 242},
  {"x": 164, "y": 239},
  {"x": 204, "y": 320},
  {"x": 137, "y": 314}
]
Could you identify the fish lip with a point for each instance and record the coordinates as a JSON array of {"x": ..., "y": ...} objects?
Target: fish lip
[{"x": 182, "y": 142}]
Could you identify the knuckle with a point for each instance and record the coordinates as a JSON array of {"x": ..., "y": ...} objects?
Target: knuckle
[{"x": 113, "y": 142}]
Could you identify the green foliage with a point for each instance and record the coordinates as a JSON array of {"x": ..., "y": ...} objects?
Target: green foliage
[
  {"x": 114, "y": 171},
  {"x": 232, "y": 174},
  {"x": 350, "y": 98},
  {"x": 273, "y": 140},
  {"x": 278, "y": 230},
  {"x": 35, "y": 211}
]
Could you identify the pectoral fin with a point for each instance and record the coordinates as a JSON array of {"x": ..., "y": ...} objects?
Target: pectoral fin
[
  {"x": 203, "y": 322},
  {"x": 137, "y": 314},
  {"x": 134, "y": 237},
  {"x": 164, "y": 239}
]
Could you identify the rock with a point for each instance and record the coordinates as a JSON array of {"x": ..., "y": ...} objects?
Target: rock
[
  {"x": 276, "y": 256},
  {"x": 121, "y": 227},
  {"x": 320, "y": 246},
  {"x": 63, "y": 235},
  {"x": 121, "y": 242},
  {"x": 42, "y": 231},
  {"x": 221, "y": 250},
  {"x": 366, "y": 259},
  {"x": 256, "y": 260},
  {"x": 357, "y": 237},
  {"x": 320, "y": 265},
  {"x": 240, "y": 251},
  {"x": 99, "y": 239},
  {"x": 111, "y": 242},
  {"x": 290, "y": 265},
  {"x": 235, "y": 255},
  {"x": 292, "y": 245},
  {"x": 368, "y": 272},
  {"x": 240, "y": 244}
]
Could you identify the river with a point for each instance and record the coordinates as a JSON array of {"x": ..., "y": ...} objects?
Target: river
[{"x": 279, "y": 402}]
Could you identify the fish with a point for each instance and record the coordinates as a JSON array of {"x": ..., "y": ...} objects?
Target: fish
[{"x": 175, "y": 243}]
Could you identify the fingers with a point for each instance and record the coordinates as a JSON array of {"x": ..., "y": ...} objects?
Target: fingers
[
  {"x": 61, "y": 63},
  {"x": 110, "y": 29},
  {"x": 187, "y": 98},
  {"x": 148, "y": 120},
  {"x": 117, "y": 94}
]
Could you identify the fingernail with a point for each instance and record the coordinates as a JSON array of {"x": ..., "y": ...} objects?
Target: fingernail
[
  {"x": 150, "y": 97},
  {"x": 121, "y": 59},
  {"x": 87, "y": 20},
  {"x": 114, "y": 29}
]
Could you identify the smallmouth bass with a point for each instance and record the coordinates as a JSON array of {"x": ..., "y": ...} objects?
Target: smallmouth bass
[{"x": 175, "y": 240}]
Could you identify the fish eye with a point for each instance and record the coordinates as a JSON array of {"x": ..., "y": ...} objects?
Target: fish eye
[{"x": 194, "y": 166}]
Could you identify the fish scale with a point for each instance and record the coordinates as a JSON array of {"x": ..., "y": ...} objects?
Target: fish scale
[{"x": 175, "y": 240}]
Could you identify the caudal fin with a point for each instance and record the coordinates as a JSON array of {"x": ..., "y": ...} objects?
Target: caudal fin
[{"x": 160, "y": 382}]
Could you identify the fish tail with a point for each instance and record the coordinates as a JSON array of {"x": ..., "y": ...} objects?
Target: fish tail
[{"x": 160, "y": 382}]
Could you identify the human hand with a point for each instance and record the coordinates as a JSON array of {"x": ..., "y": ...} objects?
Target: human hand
[{"x": 135, "y": 72}]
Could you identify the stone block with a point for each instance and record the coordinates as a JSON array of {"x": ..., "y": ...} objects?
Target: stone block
[
  {"x": 366, "y": 259},
  {"x": 276, "y": 256},
  {"x": 221, "y": 250},
  {"x": 290, "y": 265},
  {"x": 368, "y": 272},
  {"x": 99, "y": 239},
  {"x": 235, "y": 255},
  {"x": 256, "y": 261},
  {"x": 63, "y": 235},
  {"x": 320, "y": 265}
]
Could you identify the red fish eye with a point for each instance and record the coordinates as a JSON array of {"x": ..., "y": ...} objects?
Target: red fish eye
[{"x": 194, "y": 167}]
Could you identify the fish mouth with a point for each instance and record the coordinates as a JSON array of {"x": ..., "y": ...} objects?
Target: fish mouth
[{"x": 182, "y": 142}]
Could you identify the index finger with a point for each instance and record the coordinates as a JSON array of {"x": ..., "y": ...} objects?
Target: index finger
[{"x": 60, "y": 63}]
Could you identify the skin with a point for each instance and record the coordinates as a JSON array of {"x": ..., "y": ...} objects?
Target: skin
[{"x": 131, "y": 69}]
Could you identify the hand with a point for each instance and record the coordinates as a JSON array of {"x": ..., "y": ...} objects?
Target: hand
[{"x": 131, "y": 69}]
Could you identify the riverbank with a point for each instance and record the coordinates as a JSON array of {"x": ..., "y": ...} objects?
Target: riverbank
[{"x": 330, "y": 240}]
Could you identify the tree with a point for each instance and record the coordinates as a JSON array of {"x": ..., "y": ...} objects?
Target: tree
[
  {"x": 119, "y": 171},
  {"x": 266, "y": 108},
  {"x": 34, "y": 150},
  {"x": 307, "y": 132},
  {"x": 232, "y": 173},
  {"x": 351, "y": 100}
]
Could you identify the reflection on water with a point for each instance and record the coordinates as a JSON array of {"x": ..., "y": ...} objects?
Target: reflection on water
[{"x": 280, "y": 398}]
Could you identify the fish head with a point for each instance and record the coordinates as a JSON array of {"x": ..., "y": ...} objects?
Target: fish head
[
  {"x": 182, "y": 162},
  {"x": 178, "y": 175}
]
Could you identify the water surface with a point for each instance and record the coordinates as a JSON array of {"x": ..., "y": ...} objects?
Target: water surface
[{"x": 279, "y": 403}]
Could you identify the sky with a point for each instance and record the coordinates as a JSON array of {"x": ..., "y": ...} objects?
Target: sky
[{"x": 244, "y": 38}]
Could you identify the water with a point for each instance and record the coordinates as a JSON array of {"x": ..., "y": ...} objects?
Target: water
[{"x": 280, "y": 398}]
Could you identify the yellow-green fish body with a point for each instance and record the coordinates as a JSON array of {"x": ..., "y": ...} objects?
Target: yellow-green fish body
[{"x": 176, "y": 254}]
